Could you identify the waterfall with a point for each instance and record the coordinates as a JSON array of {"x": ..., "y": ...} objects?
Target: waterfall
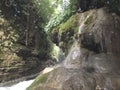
[
  {"x": 57, "y": 53},
  {"x": 71, "y": 60},
  {"x": 83, "y": 19},
  {"x": 81, "y": 27},
  {"x": 74, "y": 54}
]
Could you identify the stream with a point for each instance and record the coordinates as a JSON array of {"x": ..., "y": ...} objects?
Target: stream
[
  {"x": 22, "y": 83},
  {"x": 19, "y": 86}
]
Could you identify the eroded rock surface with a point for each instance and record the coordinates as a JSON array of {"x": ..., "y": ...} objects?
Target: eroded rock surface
[{"x": 85, "y": 67}]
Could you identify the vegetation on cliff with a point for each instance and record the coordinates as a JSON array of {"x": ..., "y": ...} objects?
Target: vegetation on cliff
[
  {"x": 27, "y": 28},
  {"x": 26, "y": 21},
  {"x": 24, "y": 44}
]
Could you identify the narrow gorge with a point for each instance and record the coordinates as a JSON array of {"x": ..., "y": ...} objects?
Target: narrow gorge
[{"x": 60, "y": 45}]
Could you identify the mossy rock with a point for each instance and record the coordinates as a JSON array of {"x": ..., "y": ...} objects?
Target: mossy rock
[
  {"x": 67, "y": 31},
  {"x": 89, "y": 20},
  {"x": 89, "y": 23},
  {"x": 42, "y": 78},
  {"x": 71, "y": 23}
]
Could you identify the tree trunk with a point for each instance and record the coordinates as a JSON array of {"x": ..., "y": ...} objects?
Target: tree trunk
[{"x": 27, "y": 31}]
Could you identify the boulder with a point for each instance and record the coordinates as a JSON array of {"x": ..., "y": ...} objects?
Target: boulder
[{"x": 93, "y": 61}]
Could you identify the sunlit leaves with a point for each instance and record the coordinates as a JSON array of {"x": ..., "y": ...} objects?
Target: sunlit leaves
[
  {"x": 7, "y": 35},
  {"x": 62, "y": 16}
]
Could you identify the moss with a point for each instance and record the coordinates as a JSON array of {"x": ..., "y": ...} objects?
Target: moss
[
  {"x": 71, "y": 23},
  {"x": 86, "y": 13},
  {"x": 42, "y": 78},
  {"x": 89, "y": 20},
  {"x": 68, "y": 31}
]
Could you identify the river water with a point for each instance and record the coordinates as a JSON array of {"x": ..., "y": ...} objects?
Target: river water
[
  {"x": 24, "y": 84},
  {"x": 19, "y": 86}
]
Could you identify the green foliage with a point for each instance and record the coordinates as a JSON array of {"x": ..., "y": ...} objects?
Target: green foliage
[
  {"x": 45, "y": 47},
  {"x": 27, "y": 19},
  {"x": 26, "y": 14},
  {"x": 62, "y": 17},
  {"x": 57, "y": 20},
  {"x": 44, "y": 9},
  {"x": 74, "y": 5},
  {"x": 68, "y": 32},
  {"x": 8, "y": 36},
  {"x": 89, "y": 20}
]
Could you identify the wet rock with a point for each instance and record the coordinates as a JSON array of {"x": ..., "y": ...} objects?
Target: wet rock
[
  {"x": 93, "y": 62},
  {"x": 66, "y": 33},
  {"x": 103, "y": 33},
  {"x": 14, "y": 67},
  {"x": 55, "y": 37},
  {"x": 104, "y": 63},
  {"x": 93, "y": 72},
  {"x": 20, "y": 57},
  {"x": 88, "y": 41}
]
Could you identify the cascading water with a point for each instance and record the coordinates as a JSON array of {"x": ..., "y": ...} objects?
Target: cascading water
[
  {"x": 81, "y": 27},
  {"x": 82, "y": 21},
  {"x": 57, "y": 53},
  {"x": 72, "y": 57},
  {"x": 74, "y": 54}
]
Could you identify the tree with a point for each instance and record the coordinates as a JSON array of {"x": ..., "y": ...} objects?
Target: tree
[
  {"x": 28, "y": 18},
  {"x": 26, "y": 15}
]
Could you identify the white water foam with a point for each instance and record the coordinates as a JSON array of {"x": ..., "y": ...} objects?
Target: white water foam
[{"x": 20, "y": 86}]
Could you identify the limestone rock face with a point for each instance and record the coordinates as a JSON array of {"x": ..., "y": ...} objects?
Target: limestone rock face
[
  {"x": 93, "y": 62},
  {"x": 103, "y": 34},
  {"x": 16, "y": 59},
  {"x": 96, "y": 72},
  {"x": 14, "y": 69}
]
